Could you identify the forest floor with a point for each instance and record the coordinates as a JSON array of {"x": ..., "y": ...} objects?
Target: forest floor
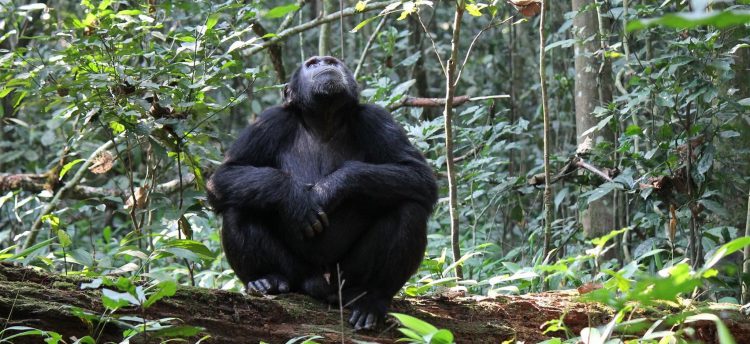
[{"x": 37, "y": 299}]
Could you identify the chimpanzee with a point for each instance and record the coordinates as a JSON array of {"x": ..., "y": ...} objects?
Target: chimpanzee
[{"x": 322, "y": 184}]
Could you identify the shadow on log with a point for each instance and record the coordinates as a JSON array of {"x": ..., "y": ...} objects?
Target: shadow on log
[{"x": 46, "y": 301}]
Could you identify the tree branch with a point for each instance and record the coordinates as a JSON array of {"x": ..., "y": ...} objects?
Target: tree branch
[
  {"x": 280, "y": 36},
  {"x": 274, "y": 52},
  {"x": 37, "y": 182},
  {"x": 439, "y": 102}
]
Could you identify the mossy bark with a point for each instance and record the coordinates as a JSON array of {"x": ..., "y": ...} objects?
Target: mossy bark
[{"x": 48, "y": 302}]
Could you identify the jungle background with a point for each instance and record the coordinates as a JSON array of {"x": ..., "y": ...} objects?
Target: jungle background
[{"x": 114, "y": 113}]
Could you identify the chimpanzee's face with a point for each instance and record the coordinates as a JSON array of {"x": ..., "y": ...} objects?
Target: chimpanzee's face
[{"x": 321, "y": 79}]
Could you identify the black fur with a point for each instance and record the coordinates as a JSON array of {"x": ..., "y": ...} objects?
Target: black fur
[{"x": 323, "y": 181}]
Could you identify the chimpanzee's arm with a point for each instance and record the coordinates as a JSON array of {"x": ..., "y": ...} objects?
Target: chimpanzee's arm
[
  {"x": 393, "y": 171},
  {"x": 248, "y": 177}
]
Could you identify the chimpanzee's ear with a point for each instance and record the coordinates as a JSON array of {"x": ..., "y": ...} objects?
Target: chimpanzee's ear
[{"x": 288, "y": 95}]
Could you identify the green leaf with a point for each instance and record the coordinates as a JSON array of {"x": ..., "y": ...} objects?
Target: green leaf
[
  {"x": 188, "y": 249},
  {"x": 163, "y": 289},
  {"x": 566, "y": 43},
  {"x": 68, "y": 166},
  {"x": 104, "y": 4},
  {"x": 116, "y": 300},
  {"x": 32, "y": 7},
  {"x": 31, "y": 249},
  {"x": 128, "y": 13},
  {"x": 94, "y": 284},
  {"x": 725, "y": 250},
  {"x": 442, "y": 336},
  {"x": 420, "y": 327},
  {"x": 706, "y": 160},
  {"x": 726, "y": 134},
  {"x": 116, "y": 127},
  {"x": 64, "y": 238},
  {"x": 720, "y": 20},
  {"x": 633, "y": 130},
  {"x": 602, "y": 191},
  {"x": 411, "y": 334},
  {"x": 211, "y": 21},
  {"x": 362, "y": 24},
  {"x": 27, "y": 331},
  {"x": 86, "y": 340},
  {"x": 474, "y": 10},
  {"x": 7, "y": 90},
  {"x": 280, "y": 11}
]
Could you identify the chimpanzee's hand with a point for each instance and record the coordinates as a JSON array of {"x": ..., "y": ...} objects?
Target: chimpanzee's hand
[
  {"x": 304, "y": 214},
  {"x": 319, "y": 194},
  {"x": 327, "y": 192}
]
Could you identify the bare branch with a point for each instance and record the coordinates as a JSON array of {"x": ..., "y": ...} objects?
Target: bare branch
[
  {"x": 37, "y": 183},
  {"x": 366, "y": 50},
  {"x": 439, "y": 102}
]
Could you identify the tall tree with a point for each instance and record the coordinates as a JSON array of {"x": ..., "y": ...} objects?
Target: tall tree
[{"x": 593, "y": 87}]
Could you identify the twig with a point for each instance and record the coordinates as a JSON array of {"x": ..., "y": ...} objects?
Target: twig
[
  {"x": 341, "y": 302},
  {"x": 471, "y": 46},
  {"x": 366, "y": 50},
  {"x": 434, "y": 46},
  {"x": 313, "y": 23},
  {"x": 582, "y": 164},
  {"x": 34, "y": 232},
  {"x": 573, "y": 164}
]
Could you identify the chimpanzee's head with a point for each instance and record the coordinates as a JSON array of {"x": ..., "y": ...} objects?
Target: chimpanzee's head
[{"x": 321, "y": 80}]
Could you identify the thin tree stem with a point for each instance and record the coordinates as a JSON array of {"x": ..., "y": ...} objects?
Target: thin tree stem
[
  {"x": 746, "y": 254},
  {"x": 450, "y": 90},
  {"x": 366, "y": 50},
  {"x": 548, "y": 215}
]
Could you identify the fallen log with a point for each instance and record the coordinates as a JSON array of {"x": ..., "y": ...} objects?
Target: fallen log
[{"x": 51, "y": 302}]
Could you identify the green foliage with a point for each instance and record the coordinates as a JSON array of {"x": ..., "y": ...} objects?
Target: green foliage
[
  {"x": 720, "y": 19},
  {"x": 418, "y": 331},
  {"x": 171, "y": 85},
  {"x": 50, "y": 337}
]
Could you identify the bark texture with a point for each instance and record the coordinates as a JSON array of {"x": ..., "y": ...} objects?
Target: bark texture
[
  {"x": 593, "y": 87},
  {"x": 45, "y": 301}
]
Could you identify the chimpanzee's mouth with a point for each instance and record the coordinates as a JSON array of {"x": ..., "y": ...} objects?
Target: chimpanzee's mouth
[{"x": 325, "y": 70}]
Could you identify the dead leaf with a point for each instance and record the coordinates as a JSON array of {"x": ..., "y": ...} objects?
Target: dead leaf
[
  {"x": 528, "y": 8},
  {"x": 589, "y": 287},
  {"x": 672, "y": 229},
  {"x": 585, "y": 147},
  {"x": 139, "y": 200},
  {"x": 102, "y": 162}
]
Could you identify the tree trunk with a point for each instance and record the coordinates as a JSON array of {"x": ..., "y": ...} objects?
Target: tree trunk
[{"x": 592, "y": 88}]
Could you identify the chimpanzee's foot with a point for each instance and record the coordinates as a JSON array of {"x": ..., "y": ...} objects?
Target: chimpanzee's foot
[
  {"x": 269, "y": 285},
  {"x": 320, "y": 288},
  {"x": 367, "y": 312}
]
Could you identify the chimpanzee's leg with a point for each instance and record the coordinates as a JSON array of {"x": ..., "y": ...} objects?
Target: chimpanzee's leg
[
  {"x": 379, "y": 264},
  {"x": 260, "y": 259}
]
